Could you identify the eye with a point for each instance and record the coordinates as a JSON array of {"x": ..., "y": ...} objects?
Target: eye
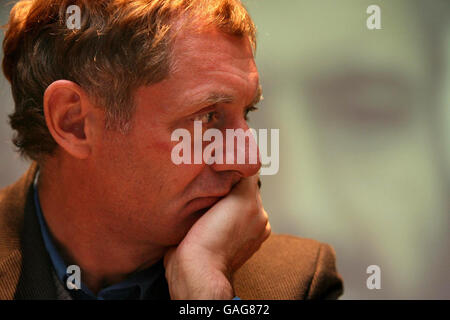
[
  {"x": 206, "y": 118},
  {"x": 248, "y": 110}
]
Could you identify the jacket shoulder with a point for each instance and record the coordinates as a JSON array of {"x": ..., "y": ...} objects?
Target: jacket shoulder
[
  {"x": 12, "y": 206},
  {"x": 290, "y": 268}
]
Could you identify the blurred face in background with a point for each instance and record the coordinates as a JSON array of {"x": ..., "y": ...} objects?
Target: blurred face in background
[{"x": 355, "y": 110}]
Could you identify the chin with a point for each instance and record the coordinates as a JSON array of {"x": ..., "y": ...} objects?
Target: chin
[{"x": 183, "y": 227}]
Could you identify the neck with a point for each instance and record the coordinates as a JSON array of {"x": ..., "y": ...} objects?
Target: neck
[{"x": 106, "y": 253}]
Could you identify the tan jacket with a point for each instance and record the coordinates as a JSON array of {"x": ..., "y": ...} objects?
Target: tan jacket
[{"x": 285, "y": 267}]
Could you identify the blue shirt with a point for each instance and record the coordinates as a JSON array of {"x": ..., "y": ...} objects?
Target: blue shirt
[{"x": 135, "y": 287}]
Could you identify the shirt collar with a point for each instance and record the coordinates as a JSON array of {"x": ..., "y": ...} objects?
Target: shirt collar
[{"x": 135, "y": 286}]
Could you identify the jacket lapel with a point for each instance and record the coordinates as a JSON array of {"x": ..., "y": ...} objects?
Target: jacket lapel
[
  {"x": 36, "y": 280},
  {"x": 25, "y": 268}
]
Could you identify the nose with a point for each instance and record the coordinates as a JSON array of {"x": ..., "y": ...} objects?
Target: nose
[{"x": 240, "y": 151}]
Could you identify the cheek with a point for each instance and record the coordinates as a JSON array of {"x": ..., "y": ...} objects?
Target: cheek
[
  {"x": 143, "y": 159},
  {"x": 165, "y": 178}
]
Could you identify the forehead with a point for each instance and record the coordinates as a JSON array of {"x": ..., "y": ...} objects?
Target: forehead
[
  {"x": 211, "y": 48},
  {"x": 204, "y": 64},
  {"x": 214, "y": 60}
]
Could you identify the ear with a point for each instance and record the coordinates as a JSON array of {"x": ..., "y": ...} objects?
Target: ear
[{"x": 66, "y": 109}]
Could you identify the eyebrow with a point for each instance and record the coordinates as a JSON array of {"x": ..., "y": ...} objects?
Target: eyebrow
[{"x": 218, "y": 97}]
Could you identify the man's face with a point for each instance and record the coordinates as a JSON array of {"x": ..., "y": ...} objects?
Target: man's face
[{"x": 146, "y": 197}]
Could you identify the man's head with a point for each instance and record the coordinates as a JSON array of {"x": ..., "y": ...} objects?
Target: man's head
[
  {"x": 98, "y": 105},
  {"x": 121, "y": 45}
]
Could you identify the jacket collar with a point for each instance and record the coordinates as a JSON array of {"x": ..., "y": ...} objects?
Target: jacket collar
[{"x": 25, "y": 269}]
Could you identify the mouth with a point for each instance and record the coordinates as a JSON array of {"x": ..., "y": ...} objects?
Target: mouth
[
  {"x": 201, "y": 211},
  {"x": 207, "y": 198},
  {"x": 199, "y": 206}
]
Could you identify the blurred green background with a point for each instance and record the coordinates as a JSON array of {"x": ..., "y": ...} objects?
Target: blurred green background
[{"x": 364, "y": 119}]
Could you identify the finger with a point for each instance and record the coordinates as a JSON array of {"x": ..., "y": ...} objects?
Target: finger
[{"x": 246, "y": 185}]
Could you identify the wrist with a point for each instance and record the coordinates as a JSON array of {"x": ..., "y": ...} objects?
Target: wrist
[{"x": 194, "y": 279}]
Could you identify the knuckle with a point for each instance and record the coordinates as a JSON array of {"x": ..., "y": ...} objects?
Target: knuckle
[
  {"x": 267, "y": 231},
  {"x": 264, "y": 220}
]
